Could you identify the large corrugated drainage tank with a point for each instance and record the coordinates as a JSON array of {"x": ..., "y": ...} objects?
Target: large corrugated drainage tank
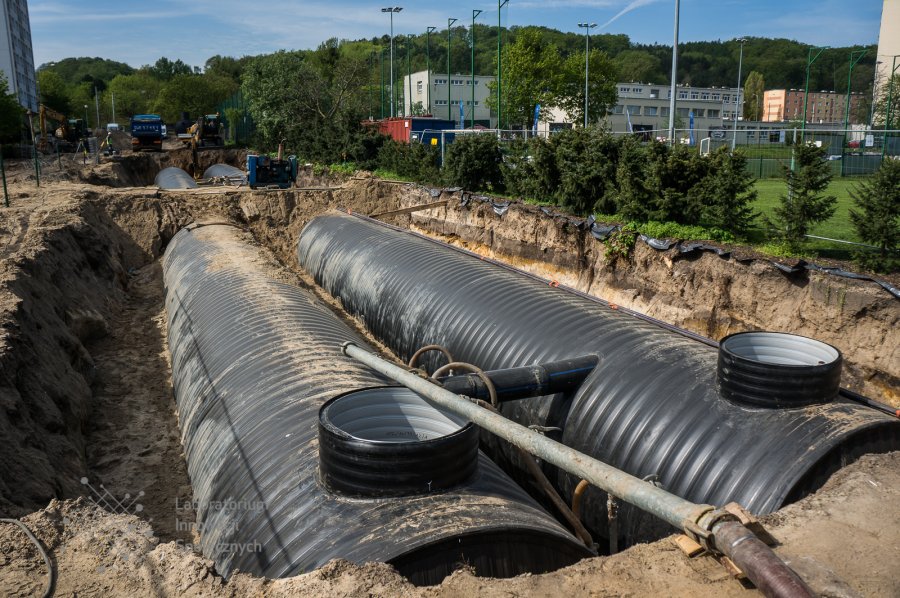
[
  {"x": 764, "y": 431},
  {"x": 299, "y": 455},
  {"x": 174, "y": 178}
]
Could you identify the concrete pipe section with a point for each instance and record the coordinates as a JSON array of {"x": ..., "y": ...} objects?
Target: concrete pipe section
[
  {"x": 299, "y": 455},
  {"x": 174, "y": 178},
  {"x": 761, "y": 424}
]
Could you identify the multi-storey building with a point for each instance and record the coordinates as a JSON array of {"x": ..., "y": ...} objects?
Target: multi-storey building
[
  {"x": 426, "y": 93},
  {"x": 888, "y": 46},
  {"x": 646, "y": 107},
  {"x": 781, "y": 105},
  {"x": 16, "y": 56}
]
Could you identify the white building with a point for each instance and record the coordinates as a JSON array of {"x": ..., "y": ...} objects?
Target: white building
[
  {"x": 424, "y": 96},
  {"x": 646, "y": 106},
  {"x": 16, "y": 56},
  {"x": 888, "y": 46}
]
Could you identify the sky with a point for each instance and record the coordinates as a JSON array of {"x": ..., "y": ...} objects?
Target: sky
[{"x": 139, "y": 32}]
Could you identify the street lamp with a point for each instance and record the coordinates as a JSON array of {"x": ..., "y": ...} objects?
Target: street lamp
[
  {"x": 874, "y": 95},
  {"x": 810, "y": 59},
  {"x": 587, "y": 40},
  {"x": 392, "y": 10},
  {"x": 428, "y": 32},
  {"x": 86, "y": 124},
  {"x": 500, "y": 6},
  {"x": 855, "y": 57},
  {"x": 449, "y": 106},
  {"x": 475, "y": 13},
  {"x": 674, "y": 76},
  {"x": 737, "y": 102}
]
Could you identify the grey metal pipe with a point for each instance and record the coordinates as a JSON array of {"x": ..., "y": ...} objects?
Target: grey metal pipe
[
  {"x": 761, "y": 565},
  {"x": 665, "y": 505}
]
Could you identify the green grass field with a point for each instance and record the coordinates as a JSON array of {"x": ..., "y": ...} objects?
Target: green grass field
[{"x": 838, "y": 226}]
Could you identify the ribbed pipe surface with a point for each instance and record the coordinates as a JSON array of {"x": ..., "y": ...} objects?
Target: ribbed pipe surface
[
  {"x": 223, "y": 170},
  {"x": 174, "y": 178},
  {"x": 253, "y": 360},
  {"x": 650, "y": 407}
]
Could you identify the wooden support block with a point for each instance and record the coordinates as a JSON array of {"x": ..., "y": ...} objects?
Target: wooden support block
[
  {"x": 749, "y": 521},
  {"x": 688, "y": 546},
  {"x": 732, "y": 569}
]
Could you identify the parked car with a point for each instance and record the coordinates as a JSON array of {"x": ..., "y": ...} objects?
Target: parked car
[{"x": 112, "y": 126}]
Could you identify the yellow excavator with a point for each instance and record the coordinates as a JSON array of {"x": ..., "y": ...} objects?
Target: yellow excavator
[{"x": 65, "y": 136}]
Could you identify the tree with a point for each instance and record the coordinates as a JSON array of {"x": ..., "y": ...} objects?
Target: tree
[
  {"x": 473, "y": 162},
  {"x": 136, "y": 93},
  {"x": 725, "y": 195},
  {"x": 195, "y": 94},
  {"x": 638, "y": 65},
  {"x": 602, "y": 77},
  {"x": 804, "y": 204},
  {"x": 754, "y": 90},
  {"x": 165, "y": 70},
  {"x": 881, "y": 117},
  {"x": 877, "y": 217},
  {"x": 54, "y": 91},
  {"x": 10, "y": 113},
  {"x": 532, "y": 74}
]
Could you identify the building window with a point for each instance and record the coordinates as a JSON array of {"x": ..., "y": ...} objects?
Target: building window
[
  {"x": 682, "y": 112},
  {"x": 726, "y": 98},
  {"x": 419, "y": 87},
  {"x": 704, "y": 96},
  {"x": 634, "y": 110},
  {"x": 712, "y": 113},
  {"x": 440, "y": 102},
  {"x": 618, "y": 109},
  {"x": 717, "y": 96},
  {"x": 664, "y": 111},
  {"x": 695, "y": 95},
  {"x": 650, "y": 111},
  {"x": 654, "y": 93},
  {"x": 682, "y": 95},
  {"x": 699, "y": 112},
  {"x": 457, "y": 82},
  {"x": 440, "y": 81}
]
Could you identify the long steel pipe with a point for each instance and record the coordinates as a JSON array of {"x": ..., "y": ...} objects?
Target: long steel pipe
[{"x": 768, "y": 572}]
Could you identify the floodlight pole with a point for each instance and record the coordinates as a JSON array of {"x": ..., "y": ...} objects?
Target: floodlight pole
[
  {"x": 587, "y": 42},
  {"x": 855, "y": 57},
  {"x": 475, "y": 13},
  {"x": 810, "y": 59},
  {"x": 887, "y": 112},
  {"x": 449, "y": 105},
  {"x": 737, "y": 103},
  {"x": 392, "y": 10},
  {"x": 500, "y": 6},
  {"x": 674, "y": 76},
  {"x": 428, "y": 32}
]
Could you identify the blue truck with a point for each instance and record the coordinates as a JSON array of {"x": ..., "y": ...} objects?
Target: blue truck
[{"x": 146, "y": 132}]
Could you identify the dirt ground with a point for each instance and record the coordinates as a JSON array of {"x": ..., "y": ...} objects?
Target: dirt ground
[{"x": 87, "y": 414}]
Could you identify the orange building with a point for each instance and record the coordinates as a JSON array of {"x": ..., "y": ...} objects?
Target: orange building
[{"x": 781, "y": 105}]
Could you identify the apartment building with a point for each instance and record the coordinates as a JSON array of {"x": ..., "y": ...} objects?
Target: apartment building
[
  {"x": 646, "y": 107},
  {"x": 16, "y": 56},
  {"x": 427, "y": 93},
  {"x": 780, "y": 105}
]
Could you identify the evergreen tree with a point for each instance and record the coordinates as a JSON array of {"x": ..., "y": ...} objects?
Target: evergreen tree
[
  {"x": 877, "y": 220},
  {"x": 805, "y": 204}
]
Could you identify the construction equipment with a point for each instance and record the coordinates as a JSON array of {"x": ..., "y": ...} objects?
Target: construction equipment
[
  {"x": 206, "y": 133},
  {"x": 146, "y": 132},
  {"x": 65, "y": 137},
  {"x": 271, "y": 173}
]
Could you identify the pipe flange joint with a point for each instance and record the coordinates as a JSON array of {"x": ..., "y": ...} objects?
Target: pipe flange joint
[{"x": 708, "y": 521}]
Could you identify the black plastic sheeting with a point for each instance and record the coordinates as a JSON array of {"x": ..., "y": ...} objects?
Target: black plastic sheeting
[
  {"x": 219, "y": 171},
  {"x": 603, "y": 231},
  {"x": 174, "y": 178},
  {"x": 649, "y": 408},
  {"x": 253, "y": 360}
]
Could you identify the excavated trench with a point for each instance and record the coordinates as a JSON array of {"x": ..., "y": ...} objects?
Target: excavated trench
[{"x": 85, "y": 375}]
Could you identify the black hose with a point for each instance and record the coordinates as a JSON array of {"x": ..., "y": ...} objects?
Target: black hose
[
  {"x": 550, "y": 378},
  {"x": 51, "y": 572}
]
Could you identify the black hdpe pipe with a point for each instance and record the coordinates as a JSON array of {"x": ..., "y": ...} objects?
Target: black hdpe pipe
[
  {"x": 652, "y": 405},
  {"x": 297, "y": 455},
  {"x": 844, "y": 392},
  {"x": 530, "y": 381}
]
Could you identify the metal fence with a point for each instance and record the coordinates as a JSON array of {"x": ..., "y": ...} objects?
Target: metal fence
[{"x": 239, "y": 125}]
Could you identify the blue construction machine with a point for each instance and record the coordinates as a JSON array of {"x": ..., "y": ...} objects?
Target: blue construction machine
[{"x": 271, "y": 173}]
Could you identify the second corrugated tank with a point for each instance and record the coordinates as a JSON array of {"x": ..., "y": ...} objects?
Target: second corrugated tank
[{"x": 651, "y": 407}]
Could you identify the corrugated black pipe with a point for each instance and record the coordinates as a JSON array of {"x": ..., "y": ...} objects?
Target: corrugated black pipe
[
  {"x": 530, "y": 381},
  {"x": 253, "y": 362}
]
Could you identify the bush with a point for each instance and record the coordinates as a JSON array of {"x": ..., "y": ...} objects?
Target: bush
[
  {"x": 586, "y": 163},
  {"x": 473, "y": 162},
  {"x": 804, "y": 204},
  {"x": 724, "y": 196},
  {"x": 877, "y": 217},
  {"x": 413, "y": 161}
]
